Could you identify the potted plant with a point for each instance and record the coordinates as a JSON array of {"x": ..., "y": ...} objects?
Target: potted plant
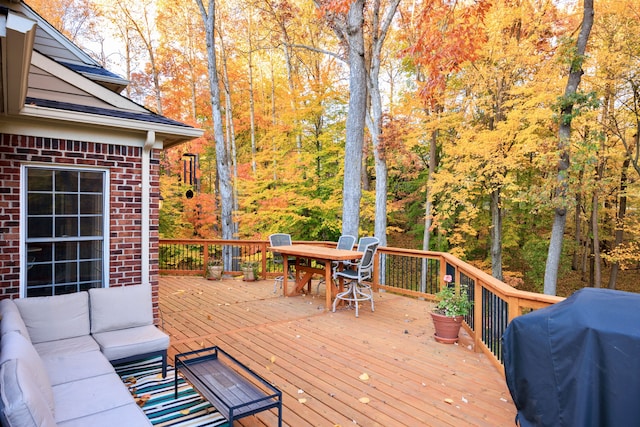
[
  {"x": 450, "y": 311},
  {"x": 214, "y": 270},
  {"x": 249, "y": 270}
]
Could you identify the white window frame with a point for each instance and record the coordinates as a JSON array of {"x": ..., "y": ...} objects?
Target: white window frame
[{"x": 23, "y": 217}]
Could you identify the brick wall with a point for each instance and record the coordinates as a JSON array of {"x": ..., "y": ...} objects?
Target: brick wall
[{"x": 125, "y": 175}]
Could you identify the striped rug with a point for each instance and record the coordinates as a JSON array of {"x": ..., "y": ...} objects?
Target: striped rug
[{"x": 156, "y": 396}]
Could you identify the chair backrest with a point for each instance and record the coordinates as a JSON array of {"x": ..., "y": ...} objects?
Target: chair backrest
[
  {"x": 279, "y": 239},
  {"x": 365, "y": 241},
  {"x": 365, "y": 268},
  {"x": 346, "y": 242}
]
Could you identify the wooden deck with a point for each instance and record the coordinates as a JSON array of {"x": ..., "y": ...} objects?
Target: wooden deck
[{"x": 317, "y": 358}]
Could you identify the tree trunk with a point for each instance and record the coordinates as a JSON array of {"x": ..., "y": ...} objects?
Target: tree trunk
[
  {"x": 578, "y": 240},
  {"x": 352, "y": 190},
  {"x": 496, "y": 234},
  {"x": 222, "y": 160},
  {"x": 231, "y": 133},
  {"x": 426, "y": 240},
  {"x": 597, "y": 262},
  {"x": 619, "y": 229},
  {"x": 379, "y": 31},
  {"x": 564, "y": 139}
]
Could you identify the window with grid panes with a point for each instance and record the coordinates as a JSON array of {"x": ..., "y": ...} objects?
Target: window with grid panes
[{"x": 65, "y": 226}]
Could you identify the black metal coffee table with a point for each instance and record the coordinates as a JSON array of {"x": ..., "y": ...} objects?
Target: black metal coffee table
[{"x": 235, "y": 390}]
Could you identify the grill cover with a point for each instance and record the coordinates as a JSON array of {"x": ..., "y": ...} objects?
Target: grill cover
[{"x": 577, "y": 363}]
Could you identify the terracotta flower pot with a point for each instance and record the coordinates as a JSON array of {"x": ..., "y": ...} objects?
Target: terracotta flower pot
[{"x": 447, "y": 328}]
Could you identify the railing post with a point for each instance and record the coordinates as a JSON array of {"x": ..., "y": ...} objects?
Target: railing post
[
  {"x": 205, "y": 257},
  {"x": 376, "y": 271},
  {"x": 263, "y": 249},
  {"x": 514, "y": 308},
  {"x": 477, "y": 315},
  {"x": 443, "y": 271}
]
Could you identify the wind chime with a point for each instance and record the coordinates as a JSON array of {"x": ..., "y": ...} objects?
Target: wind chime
[{"x": 189, "y": 173}]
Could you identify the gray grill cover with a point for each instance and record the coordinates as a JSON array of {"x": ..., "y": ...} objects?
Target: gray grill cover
[{"x": 577, "y": 363}]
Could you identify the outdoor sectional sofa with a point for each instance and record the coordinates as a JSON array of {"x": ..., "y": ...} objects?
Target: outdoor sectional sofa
[{"x": 56, "y": 356}]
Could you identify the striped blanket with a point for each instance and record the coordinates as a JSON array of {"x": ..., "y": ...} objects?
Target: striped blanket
[{"x": 156, "y": 397}]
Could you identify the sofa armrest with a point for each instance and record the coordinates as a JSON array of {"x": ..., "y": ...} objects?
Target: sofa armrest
[{"x": 10, "y": 319}]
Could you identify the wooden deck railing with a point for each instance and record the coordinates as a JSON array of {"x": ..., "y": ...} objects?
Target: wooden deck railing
[{"x": 410, "y": 272}]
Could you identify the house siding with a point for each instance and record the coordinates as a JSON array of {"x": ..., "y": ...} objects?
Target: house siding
[{"x": 124, "y": 164}]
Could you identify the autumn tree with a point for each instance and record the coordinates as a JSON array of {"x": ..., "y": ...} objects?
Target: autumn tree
[
  {"x": 566, "y": 110},
  {"x": 380, "y": 24},
  {"x": 222, "y": 159}
]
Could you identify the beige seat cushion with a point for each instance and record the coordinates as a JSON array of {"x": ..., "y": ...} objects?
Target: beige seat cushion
[
  {"x": 130, "y": 342},
  {"x": 89, "y": 396},
  {"x": 67, "y": 346},
  {"x": 66, "y": 368},
  {"x": 113, "y": 417}
]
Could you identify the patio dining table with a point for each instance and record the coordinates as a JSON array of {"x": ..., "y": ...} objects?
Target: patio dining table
[{"x": 304, "y": 272}]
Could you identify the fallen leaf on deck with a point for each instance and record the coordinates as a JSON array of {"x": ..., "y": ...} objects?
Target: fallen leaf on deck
[
  {"x": 273, "y": 359},
  {"x": 364, "y": 400},
  {"x": 210, "y": 317},
  {"x": 449, "y": 401},
  {"x": 364, "y": 377},
  {"x": 300, "y": 391},
  {"x": 302, "y": 400},
  {"x": 143, "y": 399},
  {"x": 179, "y": 291}
]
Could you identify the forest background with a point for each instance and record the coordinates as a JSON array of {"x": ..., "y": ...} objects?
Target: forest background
[{"x": 471, "y": 94}]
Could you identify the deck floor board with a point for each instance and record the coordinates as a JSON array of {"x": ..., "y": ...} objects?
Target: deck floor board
[{"x": 316, "y": 357}]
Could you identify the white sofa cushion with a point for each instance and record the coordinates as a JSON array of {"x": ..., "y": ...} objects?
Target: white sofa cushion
[
  {"x": 67, "y": 346},
  {"x": 17, "y": 347},
  {"x": 126, "y": 416},
  {"x": 10, "y": 319},
  {"x": 120, "y": 308},
  {"x": 131, "y": 342},
  {"x": 23, "y": 405},
  {"x": 65, "y": 368},
  {"x": 55, "y": 318},
  {"x": 89, "y": 396}
]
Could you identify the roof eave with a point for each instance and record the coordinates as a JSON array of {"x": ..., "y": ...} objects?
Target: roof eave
[{"x": 171, "y": 135}]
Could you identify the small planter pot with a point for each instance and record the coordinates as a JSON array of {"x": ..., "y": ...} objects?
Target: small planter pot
[
  {"x": 248, "y": 274},
  {"x": 215, "y": 272},
  {"x": 447, "y": 328}
]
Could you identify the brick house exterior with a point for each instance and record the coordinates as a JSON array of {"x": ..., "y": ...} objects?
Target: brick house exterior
[{"x": 63, "y": 121}]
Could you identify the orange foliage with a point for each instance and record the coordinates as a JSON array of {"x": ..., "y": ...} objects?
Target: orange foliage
[{"x": 447, "y": 36}]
